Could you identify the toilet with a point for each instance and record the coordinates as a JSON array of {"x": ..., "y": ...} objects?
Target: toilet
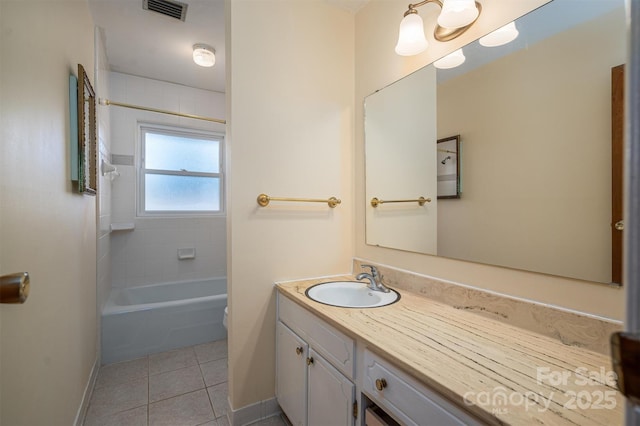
[{"x": 224, "y": 319}]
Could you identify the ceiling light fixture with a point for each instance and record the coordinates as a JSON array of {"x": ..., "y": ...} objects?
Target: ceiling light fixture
[
  {"x": 452, "y": 60},
  {"x": 456, "y": 17},
  {"x": 204, "y": 55},
  {"x": 502, "y": 35}
]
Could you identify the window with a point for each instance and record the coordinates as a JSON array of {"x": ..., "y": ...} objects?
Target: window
[{"x": 180, "y": 172}]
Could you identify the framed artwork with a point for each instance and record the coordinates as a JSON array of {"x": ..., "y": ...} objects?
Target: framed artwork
[
  {"x": 87, "y": 152},
  {"x": 448, "y": 167}
]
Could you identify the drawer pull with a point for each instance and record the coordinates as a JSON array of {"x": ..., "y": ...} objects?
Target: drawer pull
[
  {"x": 299, "y": 350},
  {"x": 381, "y": 384},
  {"x": 310, "y": 360}
]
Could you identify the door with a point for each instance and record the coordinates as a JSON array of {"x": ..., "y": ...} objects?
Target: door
[
  {"x": 48, "y": 345},
  {"x": 331, "y": 394},
  {"x": 291, "y": 374},
  {"x": 617, "y": 171}
]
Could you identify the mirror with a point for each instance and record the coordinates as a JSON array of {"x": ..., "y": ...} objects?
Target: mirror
[
  {"x": 87, "y": 145},
  {"x": 534, "y": 125}
]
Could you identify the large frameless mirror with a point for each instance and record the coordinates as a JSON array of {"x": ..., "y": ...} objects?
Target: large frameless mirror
[{"x": 534, "y": 123}]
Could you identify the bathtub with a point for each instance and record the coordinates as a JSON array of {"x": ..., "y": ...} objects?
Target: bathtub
[{"x": 140, "y": 321}]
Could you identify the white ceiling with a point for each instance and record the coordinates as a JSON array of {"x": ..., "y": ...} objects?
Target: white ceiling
[{"x": 149, "y": 44}]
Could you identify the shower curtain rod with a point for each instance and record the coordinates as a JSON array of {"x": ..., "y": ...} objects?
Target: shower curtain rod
[{"x": 161, "y": 111}]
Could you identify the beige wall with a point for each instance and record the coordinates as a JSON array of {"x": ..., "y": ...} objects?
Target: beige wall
[
  {"x": 48, "y": 345},
  {"x": 535, "y": 127},
  {"x": 290, "y": 134},
  {"x": 377, "y": 65}
]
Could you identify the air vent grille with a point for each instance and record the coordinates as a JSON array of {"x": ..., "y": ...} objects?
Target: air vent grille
[{"x": 174, "y": 9}]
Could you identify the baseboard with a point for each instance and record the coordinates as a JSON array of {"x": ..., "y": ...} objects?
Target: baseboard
[
  {"x": 252, "y": 413},
  {"x": 88, "y": 391}
]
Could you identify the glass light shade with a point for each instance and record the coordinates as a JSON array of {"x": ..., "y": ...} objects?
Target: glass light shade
[
  {"x": 502, "y": 35},
  {"x": 204, "y": 55},
  {"x": 457, "y": 13},
  {"x": 411, "y": 39},
  {"x": 452, "y": 60}
]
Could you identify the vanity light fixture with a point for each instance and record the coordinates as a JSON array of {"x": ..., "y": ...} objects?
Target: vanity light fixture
[
  {"x": 455, "y": 18},
  {"x": 204, "y": 55},
  {"x": 502, "y": 35},
  {"x": 452, "y": 60}
]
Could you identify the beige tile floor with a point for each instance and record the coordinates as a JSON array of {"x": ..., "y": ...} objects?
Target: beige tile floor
[{"x": 184, "y": 387}]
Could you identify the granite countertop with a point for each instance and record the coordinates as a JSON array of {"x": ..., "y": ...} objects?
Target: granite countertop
[{"x": 500, "y": 373}]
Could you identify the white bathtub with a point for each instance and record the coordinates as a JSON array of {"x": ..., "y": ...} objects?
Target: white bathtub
[{"x": 140, "y": 321}]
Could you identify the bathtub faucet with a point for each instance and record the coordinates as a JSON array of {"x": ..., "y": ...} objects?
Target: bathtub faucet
[{"x": 375, "y": 279}]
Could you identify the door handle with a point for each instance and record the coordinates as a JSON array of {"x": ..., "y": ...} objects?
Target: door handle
[
  {"x": 14, "y": 288},
  {"x": 619, "y": 225}
]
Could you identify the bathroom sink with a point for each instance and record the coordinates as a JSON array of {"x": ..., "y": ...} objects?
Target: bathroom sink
[{"x": 350, "y": 294}]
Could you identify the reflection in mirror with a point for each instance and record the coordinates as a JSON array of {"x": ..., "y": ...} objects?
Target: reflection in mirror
[
  {"x": 399, "y": 164},
  {"x": 448, "y": 167},
  {"x": 534, "y": 118}
]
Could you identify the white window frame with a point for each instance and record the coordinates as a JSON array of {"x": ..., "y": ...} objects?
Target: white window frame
[{"x": 143, "y": 128}]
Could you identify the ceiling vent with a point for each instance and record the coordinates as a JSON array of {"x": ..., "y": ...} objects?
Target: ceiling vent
[{"x": 173, "y": 9}]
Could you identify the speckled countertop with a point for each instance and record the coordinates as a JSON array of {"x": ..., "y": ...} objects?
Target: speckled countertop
[{"x": 500, "y": 373}]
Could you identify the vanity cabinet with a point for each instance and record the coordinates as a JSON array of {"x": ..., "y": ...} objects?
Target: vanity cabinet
[
  {"x": 291, "y": 370},
  {"x": 330, "y": 394},
  {"x": 314, "y": 369},
  {"x": 317, "y": 380},
  {"x": 405, "y": 398}
]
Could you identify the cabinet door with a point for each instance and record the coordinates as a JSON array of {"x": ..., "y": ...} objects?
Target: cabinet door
[
  {"x": 331, "y": 394},
  {"x": 291, "y": 374}
]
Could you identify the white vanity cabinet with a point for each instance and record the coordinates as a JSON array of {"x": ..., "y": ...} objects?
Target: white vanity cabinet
[
  {"x": 291, "y": 370},
  {"x": 314, "y": 369},
  {"x": 317, "y": 378},
  {"x": 405, "y": 398},
  {"x": 330, "y": 394}
]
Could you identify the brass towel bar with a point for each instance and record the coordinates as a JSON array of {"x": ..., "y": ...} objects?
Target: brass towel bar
[
  {"x": 263, "y": 200},
  {"x": 107, "y": 102},
  {"x": 375, "y": 202}
]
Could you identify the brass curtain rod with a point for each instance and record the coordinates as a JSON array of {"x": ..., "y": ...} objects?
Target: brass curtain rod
[
  {"x": 263, "y": 200},
  {"x": 161, "y": 111},
  {"x": 375, "y": 202}
]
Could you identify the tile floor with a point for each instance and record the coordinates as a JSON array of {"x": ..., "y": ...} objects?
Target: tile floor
[{"x": 184, "y": 387}]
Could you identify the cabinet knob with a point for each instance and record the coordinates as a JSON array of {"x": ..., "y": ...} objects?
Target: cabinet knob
[
  {"x": 310, "y": 360},
  {"x": 299, "y": 350},
  {"x": 381, "y": 384}
]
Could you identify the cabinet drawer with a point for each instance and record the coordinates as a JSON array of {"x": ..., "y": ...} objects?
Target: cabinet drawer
[
  {"x": 332, "y": 344},
  {"x": 407, "y": 399}
]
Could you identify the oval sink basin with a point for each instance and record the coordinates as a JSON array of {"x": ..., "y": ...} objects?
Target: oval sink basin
[{"x": 350, "y": 294}]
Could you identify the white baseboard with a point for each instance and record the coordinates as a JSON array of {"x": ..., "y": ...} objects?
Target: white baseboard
[
  {"x": 253, "y": 412},
  {"x": 88, "y": 391}
]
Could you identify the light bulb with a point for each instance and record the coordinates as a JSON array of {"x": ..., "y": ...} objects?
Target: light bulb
[
  {"x": 452, "y": 60},
  {"x": 458, "y": 13},
  {"x": 204, "y": 55},
  {"x": 411, "y": 39},
  {"x": 502, "y": 35}
]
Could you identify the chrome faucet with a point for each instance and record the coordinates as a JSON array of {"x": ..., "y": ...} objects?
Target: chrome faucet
[{"x": 375, "y": 279}]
